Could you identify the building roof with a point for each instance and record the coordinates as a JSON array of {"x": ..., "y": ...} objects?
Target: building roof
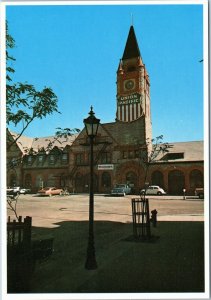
[
  {"x": 119, "y": 133},
  {"x": 47, "y": 143},
  {"x": 128, "y": 134},
  {"x": 23, "y": 142},
  {"x": 183, "y": 152},
  {"x": 50, "y": 142},
  {"x": 124, "y": 133},
  {"x": 131, "y": 48}
]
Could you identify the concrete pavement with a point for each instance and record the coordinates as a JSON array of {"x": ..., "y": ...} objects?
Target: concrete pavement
[
  {"x": 47, "y": 211},
  {"x": 166, "y": 265}
]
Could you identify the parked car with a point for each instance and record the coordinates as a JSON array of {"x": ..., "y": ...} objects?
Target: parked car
[
  {"x": 12, "y": 193},
  {"x": 17, "y": 190},
  {"x": 199, "y": 192},
  {"x": 153, "y": 190},
  {"x": 50, "y": 191},
  {"x": 14, "y": 189},
  {"x": 25, "y": 191},
  {"x": 121, "y": 190}
]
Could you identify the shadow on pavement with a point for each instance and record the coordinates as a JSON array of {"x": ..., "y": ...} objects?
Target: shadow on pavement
[{"x": 174, "y": 263}]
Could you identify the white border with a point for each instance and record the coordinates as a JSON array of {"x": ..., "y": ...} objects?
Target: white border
[
  {"x": 3, "y": 251},
  {"x": 205, "y": 295},
  {"x": 108, "y": 2},
  {"x": 206, "y": 148}
]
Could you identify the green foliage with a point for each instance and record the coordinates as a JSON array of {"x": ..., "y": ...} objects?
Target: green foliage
[
  {"x": 157, "y": 148},
  {"x": 151, "y": 151},
  {"x": 33, "y": 103},
  {"x": 10, "y": 43},
  {"x": 65, "y": 132}
]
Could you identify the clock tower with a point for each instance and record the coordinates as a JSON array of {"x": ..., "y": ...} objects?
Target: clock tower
[{"x": 133, "y": 87}]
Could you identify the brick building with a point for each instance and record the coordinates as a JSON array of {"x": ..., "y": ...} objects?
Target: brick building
[{"x": 118, "y": 147}]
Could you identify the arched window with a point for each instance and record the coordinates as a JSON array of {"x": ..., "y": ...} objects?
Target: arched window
[
  {"x": 106, "y": 180},
  {"x": 196, "y": 179},
  {"x": 157, "y": 179},
  {"x": 39, "y": 181},
  {"x": 13, "y": 180},
  {"x": 51, "y": 180},
  {"x": 28, "y": 181},
  {"x": 132, "y": 180},
  {"x": 79, "y": 183},
  {"x": 176, "y": 182}
]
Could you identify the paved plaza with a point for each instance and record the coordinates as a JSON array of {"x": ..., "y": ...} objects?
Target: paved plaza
[{"x": 46, "y": 211}]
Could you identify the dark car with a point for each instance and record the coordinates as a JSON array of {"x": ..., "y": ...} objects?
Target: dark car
[
  {"x": 121, "y": 190},
  {"x": 199, "y": 192}
]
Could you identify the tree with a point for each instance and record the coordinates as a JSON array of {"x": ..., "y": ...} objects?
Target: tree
[
  {"x": 24, "y": 103},
  {"x": 150, "y": 152}
]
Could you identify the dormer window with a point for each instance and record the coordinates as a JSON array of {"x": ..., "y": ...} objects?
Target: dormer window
[
  {"x": 40, "y": 158},
  {"x": 131, "y": 69},
  {"x": 29, "y": 160},
  {"x": 173, "y": 156},
  {"x": 51, "y": 159},
  {"x": 64, "y": 158}
]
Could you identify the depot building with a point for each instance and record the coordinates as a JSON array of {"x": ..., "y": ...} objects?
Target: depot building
[{"x": 118, "y": 147}]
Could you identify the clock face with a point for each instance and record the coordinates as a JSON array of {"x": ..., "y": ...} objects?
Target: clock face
[{"x": 129, "y": 84}]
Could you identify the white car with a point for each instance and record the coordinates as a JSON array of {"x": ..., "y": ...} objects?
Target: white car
[
  {"x": 24, "y": 191},
  {"x": 153, "y": 190}
]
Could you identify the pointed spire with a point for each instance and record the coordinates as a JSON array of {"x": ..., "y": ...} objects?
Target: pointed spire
[{"x": 131, "y": 48}]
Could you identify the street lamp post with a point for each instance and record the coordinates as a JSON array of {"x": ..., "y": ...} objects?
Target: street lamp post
[{"x": 91, "y": 124}]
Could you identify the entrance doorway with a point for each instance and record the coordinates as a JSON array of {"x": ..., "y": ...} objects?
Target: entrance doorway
[
  {"x": 157, "y": 179},
  {"x": 87, "y": 182},
  {"x": 132, "y": 180},
  {"x": 176, "y": 182},
  {"x": 106, "y": 182}
]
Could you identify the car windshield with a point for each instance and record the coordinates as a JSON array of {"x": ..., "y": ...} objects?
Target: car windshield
[{"x": 120, "y": 185}]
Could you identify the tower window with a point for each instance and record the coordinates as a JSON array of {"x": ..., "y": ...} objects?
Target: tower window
[{"x": 131, "y": 69}]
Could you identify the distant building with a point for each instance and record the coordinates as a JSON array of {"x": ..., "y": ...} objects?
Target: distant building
[{"x": 118, "y": 147}]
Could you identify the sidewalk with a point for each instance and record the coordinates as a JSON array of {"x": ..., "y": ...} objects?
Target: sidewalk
[{"x": 171, "y": 263}]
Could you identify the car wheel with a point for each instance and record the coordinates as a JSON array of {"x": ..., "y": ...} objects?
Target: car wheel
[{"x": 159, "y": 193}]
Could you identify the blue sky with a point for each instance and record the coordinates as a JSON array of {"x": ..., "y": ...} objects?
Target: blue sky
[{"x": 75, "y": 50}]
